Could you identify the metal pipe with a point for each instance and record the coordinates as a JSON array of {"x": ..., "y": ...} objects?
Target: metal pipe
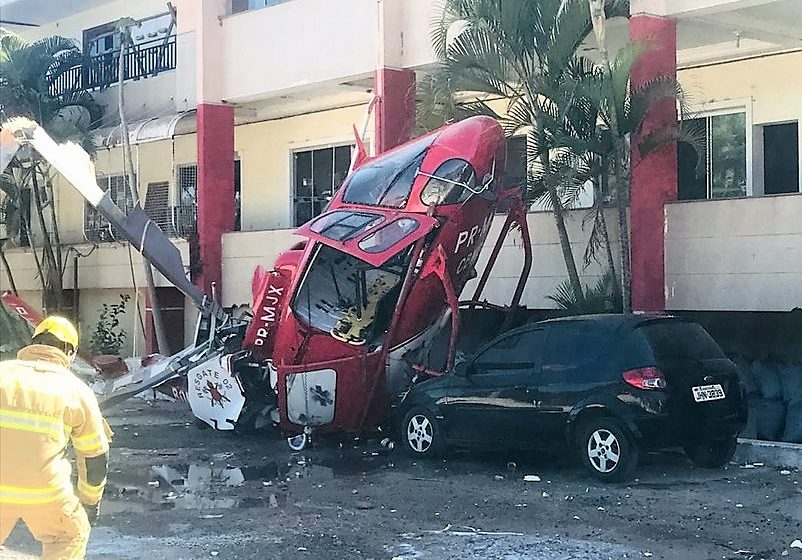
[
  {"x": 527, "y": 242},
  {"x": 402, "y": 297},
  {"x": 492, "y": 260}
]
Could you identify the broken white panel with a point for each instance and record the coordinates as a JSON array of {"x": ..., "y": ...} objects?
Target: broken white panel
[
  {"x": 214, "y": 393},
  {"x": 311, "y": 396}
]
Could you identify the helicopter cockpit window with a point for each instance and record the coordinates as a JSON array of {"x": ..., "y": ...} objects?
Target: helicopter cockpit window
[
  {"x": 446, "y": 185},
  {"x": 343, "y": 225},
  {"x": 348, "y": 298},
  {"x": 387, "y": 181},
  {"x": 387, "y": 236}
]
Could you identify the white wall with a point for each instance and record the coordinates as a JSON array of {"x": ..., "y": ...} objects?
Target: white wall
[
  {"x": 734, "y": 255},
  {"x": 73, "y": 25},
  {"x": 243, "y": 252},
  {"x": 297, "y": 43}
]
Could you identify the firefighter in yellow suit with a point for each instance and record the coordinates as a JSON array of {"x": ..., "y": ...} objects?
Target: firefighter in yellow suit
[{"x": 43, "y": 407}]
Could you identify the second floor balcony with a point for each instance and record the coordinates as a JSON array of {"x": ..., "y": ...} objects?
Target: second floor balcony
[{"x": 100, "y": 71}]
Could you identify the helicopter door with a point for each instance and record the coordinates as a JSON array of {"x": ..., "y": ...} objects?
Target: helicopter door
[{"x": 343, "y": 393}]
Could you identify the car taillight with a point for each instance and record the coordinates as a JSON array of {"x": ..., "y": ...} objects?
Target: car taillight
[{"x": 649, "y": 378}]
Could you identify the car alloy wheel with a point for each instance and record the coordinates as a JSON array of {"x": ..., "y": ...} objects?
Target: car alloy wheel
[
  {"x": 604, "y": 450},
  {"x": 420, "y": 433},
  {"x": 608, "y": 450}
]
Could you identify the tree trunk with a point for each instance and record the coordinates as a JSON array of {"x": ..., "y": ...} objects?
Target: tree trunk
[
  {"x": 622, "y": 201},
  {"x": 9, "y": 273},
  {"x": 562, "y": 232},
  {"x": 158, "y": 324},
  {"x": 622, "y": 182},
  {"x": 51, "y": 279},
  {"x": 598, "y": 197}
]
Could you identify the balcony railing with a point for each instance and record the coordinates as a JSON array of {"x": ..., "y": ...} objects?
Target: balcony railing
[
  {"x": 101, "y": 71},
  {"x": 185, "y": 218},
  {"x": 175, "y": 221}
]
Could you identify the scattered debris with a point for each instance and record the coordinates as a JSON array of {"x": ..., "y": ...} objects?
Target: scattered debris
[
  {"x": 531, "y": 478},
  {"x": 472, "y": 531}
]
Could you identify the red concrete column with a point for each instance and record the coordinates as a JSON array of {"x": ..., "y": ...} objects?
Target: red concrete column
[
  {"x": 215, "y": 190},
  {"x": 395, "y": 109},
  {"x": 654, "y": 178}
]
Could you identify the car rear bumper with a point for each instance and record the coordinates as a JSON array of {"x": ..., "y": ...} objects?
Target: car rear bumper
[{"x": 664, "y": 430}]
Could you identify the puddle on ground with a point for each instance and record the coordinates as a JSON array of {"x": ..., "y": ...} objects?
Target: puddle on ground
[{"x": 219, "y": 485}]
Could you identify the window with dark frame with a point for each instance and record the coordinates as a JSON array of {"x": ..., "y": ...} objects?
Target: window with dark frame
[
  {"x": 781, "y": 158},
  {"x": 96, "y": 227},
  {"x": 720, "y": 171},
  {"x": 317, "y": 174},
  {"x": 515, "y": 175}
]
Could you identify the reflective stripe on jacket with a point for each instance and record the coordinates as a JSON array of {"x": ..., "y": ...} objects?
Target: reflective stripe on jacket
[{"x": 43, "y": 407}]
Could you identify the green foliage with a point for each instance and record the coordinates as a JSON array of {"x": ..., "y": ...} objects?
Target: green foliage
[
  {"x": 26, "y": 72},
  {"x": 108, "y": 336},
  {"x": 600, "y": 298}
]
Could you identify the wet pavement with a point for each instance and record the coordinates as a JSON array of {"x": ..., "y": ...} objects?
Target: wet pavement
[{"x": 179, "y": 492}]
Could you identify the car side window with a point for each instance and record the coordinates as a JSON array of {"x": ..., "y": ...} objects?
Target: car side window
[
  {"x": 517, "y": 352},
  {"x": 570, "y": 346}
]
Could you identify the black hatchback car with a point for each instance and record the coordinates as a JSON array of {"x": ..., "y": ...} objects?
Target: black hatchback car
[{"x": 606, "y": 385}]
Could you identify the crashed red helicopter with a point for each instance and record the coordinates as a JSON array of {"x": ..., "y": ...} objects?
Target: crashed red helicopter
[{"x": 351, "y": 316}]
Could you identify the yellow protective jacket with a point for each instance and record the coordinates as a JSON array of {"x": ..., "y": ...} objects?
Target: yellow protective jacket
[{"x": 44, "y": 406}]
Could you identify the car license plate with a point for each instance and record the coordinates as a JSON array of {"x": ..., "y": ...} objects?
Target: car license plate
[{"x": 704, "y": 393}]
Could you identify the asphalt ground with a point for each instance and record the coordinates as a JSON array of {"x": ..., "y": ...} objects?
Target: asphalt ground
[{"x": 179, "y": 492}]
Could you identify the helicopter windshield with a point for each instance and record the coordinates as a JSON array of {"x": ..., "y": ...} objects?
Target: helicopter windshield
[
  {"x": 348, "y": 298},
  {"x": 387, "y": 180}
]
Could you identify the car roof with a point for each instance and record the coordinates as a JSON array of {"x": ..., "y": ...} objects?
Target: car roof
[{"x": 612, "y": 321}]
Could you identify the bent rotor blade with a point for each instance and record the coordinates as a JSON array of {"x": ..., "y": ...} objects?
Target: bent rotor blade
[{"x": 76, "y": 166}]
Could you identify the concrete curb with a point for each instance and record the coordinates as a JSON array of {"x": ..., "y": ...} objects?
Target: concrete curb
[{"x": 770, "y": 453}]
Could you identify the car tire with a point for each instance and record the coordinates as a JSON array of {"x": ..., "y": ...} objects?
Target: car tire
[
  {"x": 421, "y": 435},
  {"x": 712, "y": 454},
  {"x": 608, "y": 450}
]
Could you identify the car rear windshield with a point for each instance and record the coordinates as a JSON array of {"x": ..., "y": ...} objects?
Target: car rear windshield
[{"x": 679, "y": 339}]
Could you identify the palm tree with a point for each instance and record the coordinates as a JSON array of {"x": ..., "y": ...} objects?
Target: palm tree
[
  {"x": 526, "y": 54},
  {"x": 27, "y": 74}
]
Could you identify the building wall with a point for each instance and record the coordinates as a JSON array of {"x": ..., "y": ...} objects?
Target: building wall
[
  {"x": 770, "y": 87},
  {"x": 734, "y": 255},
  {"x": 296, "y": 43},
  {"x": 265, "y": 151},
  {"x": 72, "y": 26},
  {"x": 243, "y": 252}
]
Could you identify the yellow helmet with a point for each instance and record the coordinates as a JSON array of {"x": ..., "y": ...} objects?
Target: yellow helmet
[{"x": 59, "y": 327}]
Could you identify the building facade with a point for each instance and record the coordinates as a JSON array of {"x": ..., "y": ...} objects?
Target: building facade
[{"x": 242, "y": 115}]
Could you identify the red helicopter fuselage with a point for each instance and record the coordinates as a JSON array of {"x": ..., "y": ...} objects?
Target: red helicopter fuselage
[{"x": 369, "y": 300}]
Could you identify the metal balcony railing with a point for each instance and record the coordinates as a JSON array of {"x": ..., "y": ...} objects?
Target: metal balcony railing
[
  {"x": 175, "y": 221},
  {"x": 185, "y": 220},
  {"x": 101, "y": 71}
]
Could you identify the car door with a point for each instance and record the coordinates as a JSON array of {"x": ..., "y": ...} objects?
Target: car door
[
  {"x": 569, "y": 374},
  {"x": 496, "y": 402}
]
